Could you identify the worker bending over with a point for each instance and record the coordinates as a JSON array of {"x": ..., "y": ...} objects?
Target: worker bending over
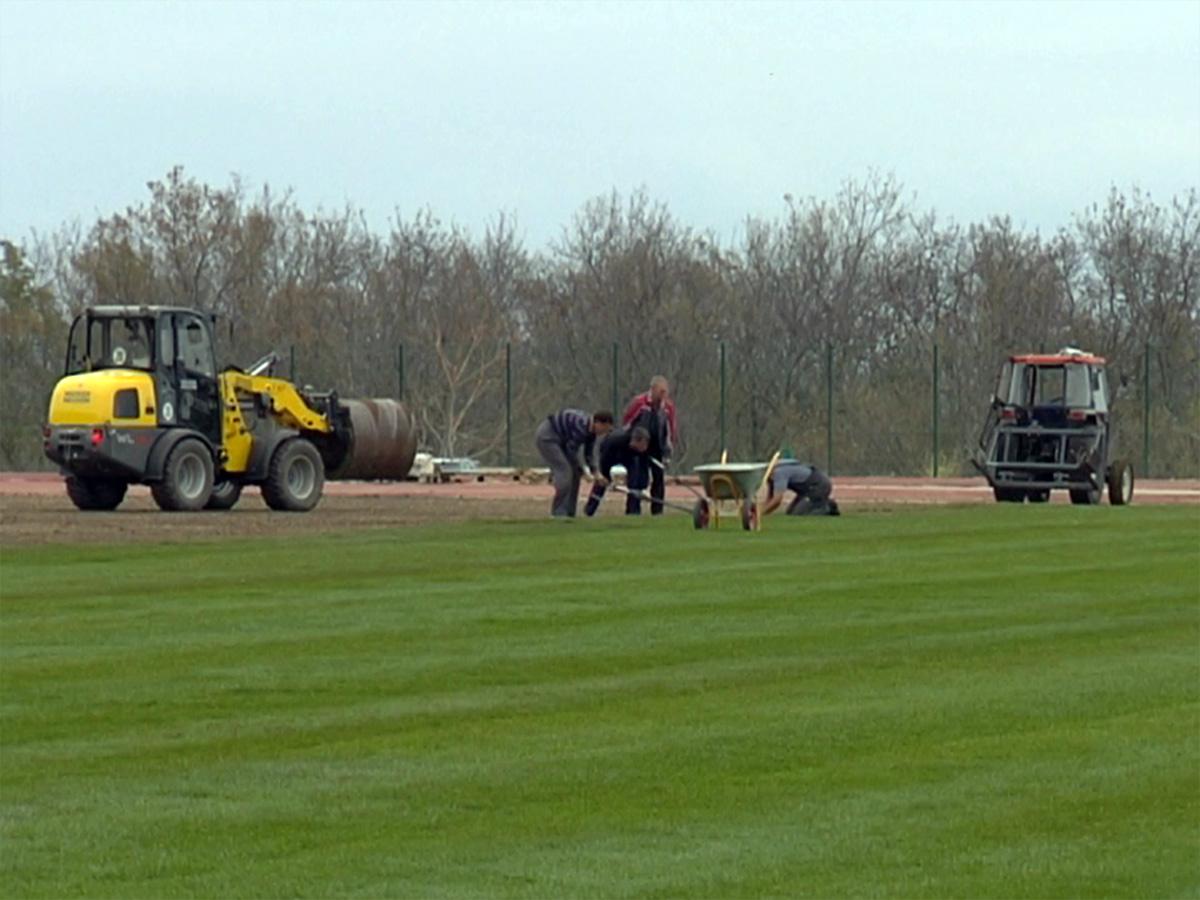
[
  {"x": 567, "y": 441},
  {"x": 810, "y": 485},
  {"x": 624, "y": 447}
]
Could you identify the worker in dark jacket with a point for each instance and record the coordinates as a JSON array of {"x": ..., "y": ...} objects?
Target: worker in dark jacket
[
  {"x": 654, "y": 411},
  {"x": 567, "y": 441},
  {"x": 624, "y": 447},
  {"x": 811, "y": 486}
]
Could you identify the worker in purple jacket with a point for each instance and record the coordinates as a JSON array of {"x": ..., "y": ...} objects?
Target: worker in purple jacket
[{"x": 567, "y": 441}]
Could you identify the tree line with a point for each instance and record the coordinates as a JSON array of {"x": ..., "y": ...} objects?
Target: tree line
[{"x": 827, "y": 316}]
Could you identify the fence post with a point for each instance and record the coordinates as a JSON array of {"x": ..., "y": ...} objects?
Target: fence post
[
  {"x": 935, "y": 411},
  {"x": 508, "y": 404},
  {"x": 829, "y": 408},
  {"x": 723, "y": 444},
  {"x": 1146, "y": 412},
  {"x": 615, "y": 399},
  {"x": 400, "y": 372}
]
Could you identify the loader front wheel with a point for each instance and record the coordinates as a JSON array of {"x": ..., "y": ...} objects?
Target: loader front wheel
[
  {"x": 95, "y": 493},
  {"x": 1086, "y": 496},
  {"x": 1008, "y": 495},
  {"x": 295, "y": 478},
  {"x": 225, "y": 494},
  {"x": 187, "y": 481}
]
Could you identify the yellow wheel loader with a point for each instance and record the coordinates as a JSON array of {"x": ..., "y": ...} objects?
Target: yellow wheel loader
[{"x": 142, "y": 402}]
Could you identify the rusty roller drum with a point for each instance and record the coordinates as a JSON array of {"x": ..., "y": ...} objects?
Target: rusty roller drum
[{"x": 384, "y": 442}]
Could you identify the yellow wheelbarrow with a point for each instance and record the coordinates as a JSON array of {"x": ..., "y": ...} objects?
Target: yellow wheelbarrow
[{"x": 739, "y": 484}]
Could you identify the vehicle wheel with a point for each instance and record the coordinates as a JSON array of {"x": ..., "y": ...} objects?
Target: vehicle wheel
[
  {"x": 1120, "y": 483},
  {"x": 187, "y": 479},
  {"x": 95, "y": 493},
  {"x": 700, "y": 514},
  {"x": 295, "y": 477},
  {"x": 749, "y": 516},
  {"x": 225, "y": 493},
  {"x": 1086, "y": 497},
  {"x": 1008, "y": 495},
  {"x": 1037, "y": 496}
]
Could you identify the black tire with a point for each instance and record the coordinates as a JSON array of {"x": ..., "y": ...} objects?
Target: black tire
[
  {"x": 1120, "y": 483},
  {"x": 1042, "y": 496},
  {"x": 225, "y": 494},
  {"x": 749, "y": 516},
  {"x": 295, "y": 477},
  {"x": 92, "y": 494},
  {"x": 1008, "y": 495},
  {"x": 187, "y": 481},
  {"x": 700, "y": 514},
  {"x": 1086, "y": 497}
]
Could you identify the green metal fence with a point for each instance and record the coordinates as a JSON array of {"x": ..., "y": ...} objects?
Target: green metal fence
[{"x": 921, "y": 416}]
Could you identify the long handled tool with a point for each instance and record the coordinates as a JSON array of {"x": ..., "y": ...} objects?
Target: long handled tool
[
  {"x": 646, "y": 498},
  {"x": 699, "y": 513},
  {"x": 678, "y": 480}
]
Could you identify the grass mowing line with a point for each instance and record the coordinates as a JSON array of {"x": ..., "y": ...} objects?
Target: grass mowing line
[{"x": 839, "y": 727}]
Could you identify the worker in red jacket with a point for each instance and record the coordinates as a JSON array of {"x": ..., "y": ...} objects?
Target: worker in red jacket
[{"x": 654, "y": 411}]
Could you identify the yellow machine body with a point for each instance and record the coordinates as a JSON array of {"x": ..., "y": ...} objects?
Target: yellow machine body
[
  {"x": 91, "y": 399},
  {"x": 143, "y": 402}
]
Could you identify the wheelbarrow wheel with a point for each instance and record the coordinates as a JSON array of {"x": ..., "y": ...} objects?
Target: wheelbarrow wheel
[
  {"x": 700, "y": 514},
  {"x": 749, "y": 516}
]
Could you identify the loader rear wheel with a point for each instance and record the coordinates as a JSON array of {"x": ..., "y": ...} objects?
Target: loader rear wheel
[
  {"x": 1008, "y": 495},
  {"x": 95, "y": 493},
  {"x": 1120, "y": 483},
  {"x": 295, "y": 477},
  {"x": 1042, "y": 496},
  {"x": 187, "y": 481},
  {"x": 225, "y": 494}
]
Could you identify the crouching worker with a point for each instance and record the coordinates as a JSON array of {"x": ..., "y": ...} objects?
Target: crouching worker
[
  {"x": 624, "y": 447},
  {"x": 567, "y": 441},
  {"x": 812, "y": 489}
]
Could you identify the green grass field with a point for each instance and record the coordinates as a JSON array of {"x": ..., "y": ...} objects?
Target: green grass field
[{"x": 989, "y": 701}]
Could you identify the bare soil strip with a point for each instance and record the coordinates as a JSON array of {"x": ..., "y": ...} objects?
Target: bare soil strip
[{"x": 34, "y": 508}]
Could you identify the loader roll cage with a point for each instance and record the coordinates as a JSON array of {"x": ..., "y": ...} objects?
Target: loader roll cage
[{"x": 147, "y": 338}]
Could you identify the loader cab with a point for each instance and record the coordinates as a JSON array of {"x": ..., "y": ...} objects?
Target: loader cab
[
  {"x": 173, "y": 345},
  {"x": 102, "y": 342}
]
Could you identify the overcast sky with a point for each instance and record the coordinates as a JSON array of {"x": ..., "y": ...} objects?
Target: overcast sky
[{"x": 1033, "y": 110}]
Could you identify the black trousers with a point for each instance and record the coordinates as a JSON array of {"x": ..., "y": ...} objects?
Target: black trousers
[
  {"x": 635, "y": 467},
  {"x": 812, "y": 496},
  {"x": 642, "y": 474}
]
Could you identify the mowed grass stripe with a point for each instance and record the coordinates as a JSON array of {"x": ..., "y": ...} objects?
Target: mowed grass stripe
[{"x": 918, "y": 703}]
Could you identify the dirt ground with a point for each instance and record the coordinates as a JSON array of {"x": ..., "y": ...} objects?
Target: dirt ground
[{"x": 34, "y": 508}]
